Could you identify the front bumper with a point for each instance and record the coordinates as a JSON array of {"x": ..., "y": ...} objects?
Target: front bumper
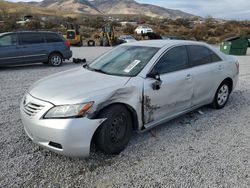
[{"x": 70, "y": 137}]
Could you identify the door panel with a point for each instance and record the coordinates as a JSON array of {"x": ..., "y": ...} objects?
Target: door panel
[
  {"x": 33, "y": 47},
  {"x": 205, "y": 79},
  {"x": 9, "y": 49},
  {"x": 174, "y": 96}
]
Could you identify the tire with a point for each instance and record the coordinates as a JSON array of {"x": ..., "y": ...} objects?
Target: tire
[
  {"x": 221, "y": 96},
  {"x": 80, "y": 44},
  {"x": 91, "y": 43},
  {"x": 114, "y": 134},
  {"x": 55, "y": 59}
]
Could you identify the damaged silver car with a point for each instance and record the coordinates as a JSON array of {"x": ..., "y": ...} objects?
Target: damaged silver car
[{"x": 133, "y": 87}]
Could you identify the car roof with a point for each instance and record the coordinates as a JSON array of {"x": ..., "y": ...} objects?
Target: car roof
[
  {"x": 163, "y": 43},
  {"x": 27, "y": 31}
]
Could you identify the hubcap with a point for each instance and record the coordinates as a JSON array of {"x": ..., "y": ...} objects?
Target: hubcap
[
  {"x": 223, "y": 95},
  {"x": 118, "y": 129},
  {"x": 56, "y": 60}
]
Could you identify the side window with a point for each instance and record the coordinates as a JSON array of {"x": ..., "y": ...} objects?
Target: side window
[
  {"x": 214, "y": 57},
  {"x": 199, "y": 55},
  {"x": 8, "y": 40},
  {"x": 174, "y": 60},
  {"x": 52, "y": 37},
  {"x": 31, "y": 38}
]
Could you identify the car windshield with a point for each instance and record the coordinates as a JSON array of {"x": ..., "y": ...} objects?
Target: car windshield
[{"x": 124, "y": 60}]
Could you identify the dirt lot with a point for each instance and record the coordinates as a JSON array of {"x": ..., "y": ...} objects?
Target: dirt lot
[{"x": 208, "y": 149}]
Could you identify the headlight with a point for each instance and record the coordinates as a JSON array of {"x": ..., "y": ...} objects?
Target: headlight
[{"x": 68, "y": 111}]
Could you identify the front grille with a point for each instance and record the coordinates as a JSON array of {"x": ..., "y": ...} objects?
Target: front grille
[{"x": 32, "y": 109}]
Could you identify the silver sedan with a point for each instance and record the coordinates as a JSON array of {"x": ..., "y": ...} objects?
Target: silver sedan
[{"x": 133, "y": 87}]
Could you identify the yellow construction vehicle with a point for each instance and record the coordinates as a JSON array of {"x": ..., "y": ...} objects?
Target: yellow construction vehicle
[
  {"x": 73, "y": 35},
  {"x": 107, "y": 36}
]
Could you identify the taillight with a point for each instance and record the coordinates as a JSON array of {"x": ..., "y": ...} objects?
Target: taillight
[
  {"x": 237, "y": 64},
  {"x": 67, "y": 43}
]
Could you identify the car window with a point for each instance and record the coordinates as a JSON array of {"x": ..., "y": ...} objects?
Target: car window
[
  {"x": 52, "y": 37},
  {"x": 31, "y": 38},
  {"x": 214, "y": 57},
  {"x": 8, "y": 40},
  {"x": 173, "y": 60},
  {"x": 200, "y": 55},
  {"x": 71, "y": 34}
]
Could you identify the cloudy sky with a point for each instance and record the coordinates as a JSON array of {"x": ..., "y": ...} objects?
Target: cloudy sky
[{"x": 226, "y": 9}]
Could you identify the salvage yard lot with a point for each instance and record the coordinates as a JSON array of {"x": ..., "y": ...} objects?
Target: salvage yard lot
[{"x": 205, "y": 148}]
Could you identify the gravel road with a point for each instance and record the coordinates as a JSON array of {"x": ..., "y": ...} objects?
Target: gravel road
[{"x": 210, "y": 148}]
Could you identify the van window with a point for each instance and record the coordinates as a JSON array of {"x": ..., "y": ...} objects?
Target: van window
[
  {"x": 173, "y": 60},
  {"x": 8, "y": 40},
  {"x": 53, "y": 37},
  {"x": 31, "y": 38}
]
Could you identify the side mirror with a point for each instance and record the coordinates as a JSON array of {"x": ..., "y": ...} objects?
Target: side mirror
[{"x": 158, "y": 82}]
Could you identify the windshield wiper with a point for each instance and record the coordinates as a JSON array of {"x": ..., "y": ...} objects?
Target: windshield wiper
[
  {"x": 86, "y": 66},
  {"x": 98, "y": 70}
]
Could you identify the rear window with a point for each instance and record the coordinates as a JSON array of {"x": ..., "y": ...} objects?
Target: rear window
[
  {"x": 31, "y": 38},
  {"x": 200, "y": 55},
  {"x": 70, "y": 34},
  {"x": 53, "y": 37}
]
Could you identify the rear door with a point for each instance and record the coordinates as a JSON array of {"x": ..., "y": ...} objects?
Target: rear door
[
  {"x": 33, "y": 47},
  {"x": 207, "y": 73},
  {"x": 55, "y": 42},
  {"x": 9, "y": 49},
  {"x": 176, "y": 90}
]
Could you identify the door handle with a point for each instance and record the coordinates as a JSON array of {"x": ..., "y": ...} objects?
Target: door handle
[
  {"x": 220, "y": 67},
  {"x": 188, "y": 77}
]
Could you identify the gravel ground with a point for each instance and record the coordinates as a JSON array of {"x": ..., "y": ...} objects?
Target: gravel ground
[{"x": 208, "y": 149}]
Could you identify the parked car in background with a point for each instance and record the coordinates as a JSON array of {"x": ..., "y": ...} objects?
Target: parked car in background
[
  {"x": 24, "y": 47},
  {"x": 127, "y": 38},
  {"x": 165, "y": 37},
  {"x": 143, "y": 30},
  {"x": 133, "y": 87}
]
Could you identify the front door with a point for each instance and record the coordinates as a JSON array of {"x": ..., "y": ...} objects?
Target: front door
[
  {"x": 175, "y": 93},
  {"x": 9, "y": 49}
]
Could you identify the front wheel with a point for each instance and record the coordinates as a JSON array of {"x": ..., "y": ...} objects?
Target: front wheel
[
  {"x": 222, "y": 95},
  {"x": 114, "y": 134},
  {"x": 55, "y": 59}
]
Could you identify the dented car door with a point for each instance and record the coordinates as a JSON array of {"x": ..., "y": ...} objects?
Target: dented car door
[{"x": 174, "y": 92}]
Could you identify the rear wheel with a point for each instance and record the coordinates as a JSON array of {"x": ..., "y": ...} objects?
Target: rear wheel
[
  {"x": 55, "y": 59},
  {"x": 114, "y": 134},
  {"x": 222, "y": 95},
  {"x": 80, "y": 44}
]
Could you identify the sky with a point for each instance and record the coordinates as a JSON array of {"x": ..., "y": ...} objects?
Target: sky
[{"x": 225, "y": 9}]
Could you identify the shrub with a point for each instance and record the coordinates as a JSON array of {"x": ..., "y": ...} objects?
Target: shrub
[{"x": 129, "y": 29}]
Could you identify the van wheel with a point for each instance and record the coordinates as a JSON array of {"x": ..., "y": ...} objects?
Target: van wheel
[
  {"x": 114, "y": 134},
  {"x": 222, "y": 95},
  {"x": 55, "y": 59}
]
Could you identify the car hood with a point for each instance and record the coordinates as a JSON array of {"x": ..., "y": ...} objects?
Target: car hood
[{"x": 75, "y": 86}]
